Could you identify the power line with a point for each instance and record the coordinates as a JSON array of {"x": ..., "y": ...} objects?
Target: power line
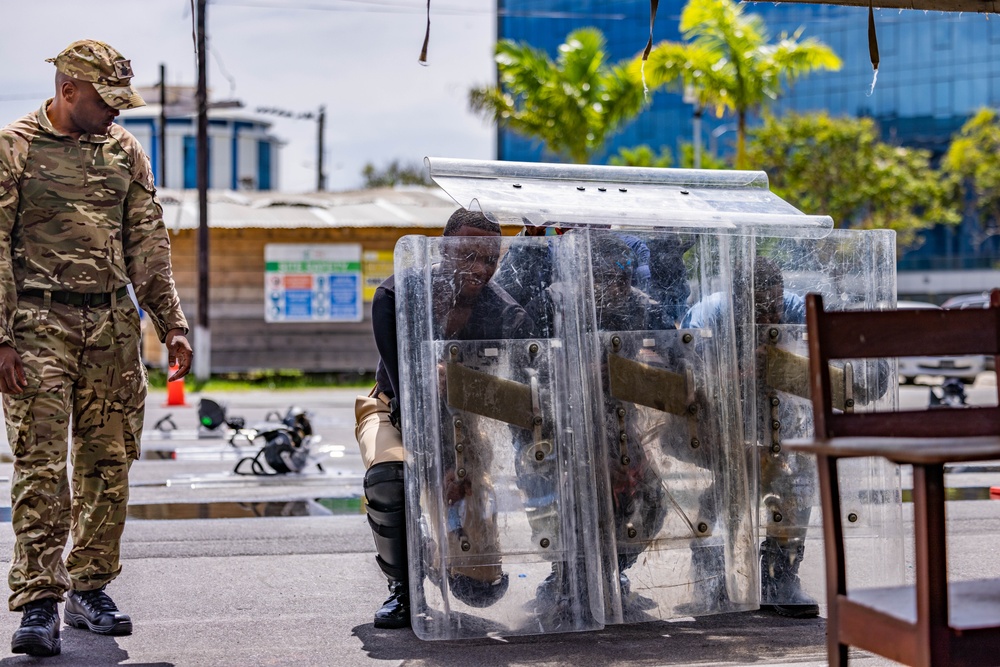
[{"x": 375, "y": 7}]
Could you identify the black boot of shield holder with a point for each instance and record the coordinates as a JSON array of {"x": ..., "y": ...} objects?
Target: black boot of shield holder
[
  {"x": 395, "y": 611},
  {"x": 780, "y": 586}
]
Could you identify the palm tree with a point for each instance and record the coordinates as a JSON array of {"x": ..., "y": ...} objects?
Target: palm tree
[
  {"x": 728, "y": 62},
  {"x": 572, "y": 104}
]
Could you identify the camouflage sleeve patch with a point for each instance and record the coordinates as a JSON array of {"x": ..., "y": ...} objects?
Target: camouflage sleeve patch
[
  {"x": 13, "y": 152},
  {"x": 13, "y": 155},
  {"x": 142, "y": 170},
  {"x": 147, "y": 245}
]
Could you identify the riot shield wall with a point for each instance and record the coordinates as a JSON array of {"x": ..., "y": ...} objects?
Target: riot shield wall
[
  {"x": 620, "y": 457},
  {"x": 501, "y": 523},
  {"x": 676, "y": 534}
]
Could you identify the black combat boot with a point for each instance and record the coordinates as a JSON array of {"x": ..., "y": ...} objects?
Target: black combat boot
[
  {"x": 780, "y": 587},
  {"x": 395, "y": 611},
  {"x": 95, "y": 611},
  {"x": 39, "y": 631},
  {"x": 708, "y": 581},
  {"x": 384, "y": 492}
]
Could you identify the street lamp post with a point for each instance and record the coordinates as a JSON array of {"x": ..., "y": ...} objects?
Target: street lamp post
[
  {"x": 691, "y": 97},
  {"x": 716, "y": 133}
]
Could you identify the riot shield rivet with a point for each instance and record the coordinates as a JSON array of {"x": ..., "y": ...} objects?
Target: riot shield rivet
[
  {"x": 852, "y": 517},
  {"x": 626, "y": 460},
  {"x": 695, "y": 444},
  {"x": 602, "y": 189},
  {"x": 580, "y": 188},
  {"x": 622, "y": 189},
  {"x": 544, "y": 543},
  {"x": 537, "y": 421},
  {"x": 776, "y": 425},
  {"x": 777, "y": 517},
  {"x": 533, "y": 348},
  {"x": 460, "y": 448},
  {"x": 684, "y": 192},
  {"x": 773, "y": 334},
  {"x": 622, "y": 437},
  {"x": 692, "y": 409},
  {"x": 517, "y": 185},
  {"x": 466, "y": 546},
  {"x": 632, "y": 532},
  {"x": 616, "y": 342},
  {"x": 454, "y": 350},
  {"x": 702, "y": 527},
  {"x": 776, "y": 448},
  {"x": 687, "y": 338},
  {"x": 621, "y": 412},
  {"x": 849, "y": 403},
  {"x": 775, "y": 401},
  {"x": 458, "y": 423},
  {"x": 461, "y": 472},
  {"x": 539, "y": 455}
]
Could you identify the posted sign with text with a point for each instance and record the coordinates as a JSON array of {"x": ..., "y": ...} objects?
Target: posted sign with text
[{"x": 312, "y": 283}]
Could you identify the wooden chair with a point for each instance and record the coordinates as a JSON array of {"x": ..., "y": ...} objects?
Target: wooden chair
[{"x": 933, "y": 622}]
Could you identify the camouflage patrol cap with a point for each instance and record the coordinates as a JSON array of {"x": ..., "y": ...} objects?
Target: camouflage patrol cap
[{"x": 99, "y": 64}]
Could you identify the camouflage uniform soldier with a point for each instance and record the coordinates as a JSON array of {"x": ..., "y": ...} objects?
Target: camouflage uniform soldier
[{"x": 79, "y": 221}]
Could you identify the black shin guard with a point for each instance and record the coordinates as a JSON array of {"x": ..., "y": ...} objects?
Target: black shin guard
[{"x": 385, "y": 493}]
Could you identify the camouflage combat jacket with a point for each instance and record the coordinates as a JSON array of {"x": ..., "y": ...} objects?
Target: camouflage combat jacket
[{"x": 81, "y": 216}]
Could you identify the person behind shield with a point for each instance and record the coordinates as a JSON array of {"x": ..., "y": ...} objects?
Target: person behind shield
[
  {"x": 467, "y": 306},
  {"x": 637, "y": 496},
  {"x": 783, "y": 548}
]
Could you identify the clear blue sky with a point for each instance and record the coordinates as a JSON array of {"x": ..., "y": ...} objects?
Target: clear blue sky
[{"x": 356, "y": 57}]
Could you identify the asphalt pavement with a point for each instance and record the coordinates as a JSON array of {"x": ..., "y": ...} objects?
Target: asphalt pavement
[{"x": 222, "y": 569}]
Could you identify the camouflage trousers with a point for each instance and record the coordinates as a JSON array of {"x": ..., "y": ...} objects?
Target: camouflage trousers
[{"x": 84, "y": 371}]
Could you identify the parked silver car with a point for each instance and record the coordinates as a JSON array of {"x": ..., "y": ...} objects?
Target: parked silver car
[
  {"x": 963, "y": 301},
  {"x": 964, "y": 368}
]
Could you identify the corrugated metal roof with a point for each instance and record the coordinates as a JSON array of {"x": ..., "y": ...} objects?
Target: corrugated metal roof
[{"x": 384, "y": 207}]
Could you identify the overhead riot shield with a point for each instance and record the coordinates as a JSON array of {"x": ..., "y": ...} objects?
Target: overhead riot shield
[
  {"x": 501, "y": 519},
  {"x": 676, "y": 534},
  {"x": 852, "y": 270}
]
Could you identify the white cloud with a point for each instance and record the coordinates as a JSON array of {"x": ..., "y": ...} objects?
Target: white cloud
[{"x": 381, "y": 105}]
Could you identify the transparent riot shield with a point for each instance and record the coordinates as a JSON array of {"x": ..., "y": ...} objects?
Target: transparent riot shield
[
  {"x": 676, "y": 530},
  {"x": 501, "y": 525},
  {"x": 853, "y": 270}
]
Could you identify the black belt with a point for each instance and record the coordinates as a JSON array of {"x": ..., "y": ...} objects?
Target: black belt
[{"x": 81, "y": 299}]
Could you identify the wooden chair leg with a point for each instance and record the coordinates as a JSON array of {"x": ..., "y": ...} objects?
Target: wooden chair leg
[
  {"x": 931, "y": 563},
  {"x": 836, "y": 567}
]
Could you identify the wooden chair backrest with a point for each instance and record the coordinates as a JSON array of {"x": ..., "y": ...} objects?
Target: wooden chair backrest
[{"x": 899, "y": 333}]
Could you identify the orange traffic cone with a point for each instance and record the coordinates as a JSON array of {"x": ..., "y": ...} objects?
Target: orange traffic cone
[{"x": 175, "y": 390}]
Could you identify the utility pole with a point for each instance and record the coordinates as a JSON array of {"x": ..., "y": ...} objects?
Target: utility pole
[
  {"x": 202, "y": 336},
  {"x": 320, "y": 174},
  {"x": 163, "y": 126}
]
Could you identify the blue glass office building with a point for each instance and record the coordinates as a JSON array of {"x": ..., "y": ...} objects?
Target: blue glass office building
[{"x": 936, "y": 70}]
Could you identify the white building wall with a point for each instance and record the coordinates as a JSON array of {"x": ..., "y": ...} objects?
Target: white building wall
[
  {"x": 247, "y": 159},
  {"x": 220, "y": 152},
  {"x": 175, "y": 158}
]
